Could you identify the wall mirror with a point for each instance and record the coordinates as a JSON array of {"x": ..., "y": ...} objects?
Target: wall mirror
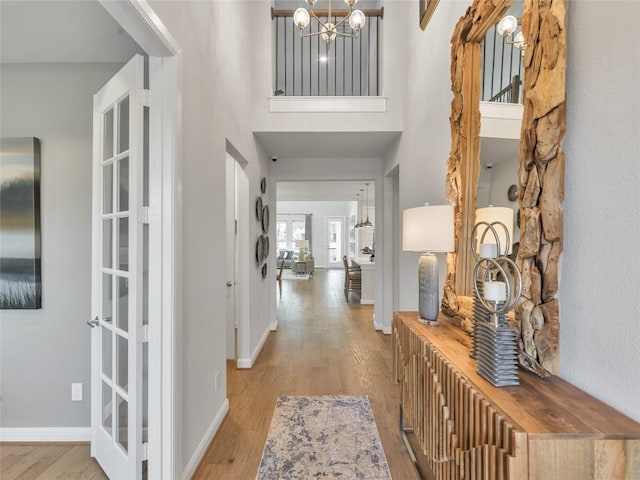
[{"x": 540, "y": 172}]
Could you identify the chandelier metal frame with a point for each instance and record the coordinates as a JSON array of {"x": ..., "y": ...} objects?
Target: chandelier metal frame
[{"x": 329, "y": 31}]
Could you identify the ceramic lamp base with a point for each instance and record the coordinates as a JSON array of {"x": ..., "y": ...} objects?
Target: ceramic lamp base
[{"x": 428, "y": 294}]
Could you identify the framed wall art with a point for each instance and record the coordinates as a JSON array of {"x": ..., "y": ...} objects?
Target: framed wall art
[
  {"x": 20, "y": 271},
  {"x": 426, "y": 10}
]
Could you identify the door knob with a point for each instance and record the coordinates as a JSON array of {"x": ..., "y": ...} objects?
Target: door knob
[
  {"x": 93, "y": 323},
  {"x": 229, "y": 283}
]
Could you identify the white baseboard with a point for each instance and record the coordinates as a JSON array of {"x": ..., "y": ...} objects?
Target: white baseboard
[
  {"x": 248, "y": 362},
  {"x": 387, "y": 330},
  {"x": 274, "y": 326},
  {"x": 45, "y": 434},
  {"x": 190, "y": 469}
]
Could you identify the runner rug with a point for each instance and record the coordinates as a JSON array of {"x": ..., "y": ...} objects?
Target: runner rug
[{"x": 323, "y": 437}]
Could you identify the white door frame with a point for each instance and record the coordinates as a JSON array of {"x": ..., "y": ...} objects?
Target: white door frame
[{"x": 139, "y": 20}]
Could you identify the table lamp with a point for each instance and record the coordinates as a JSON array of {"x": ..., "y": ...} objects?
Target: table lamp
[
  {"x": 428, "y": 229},
  {"x": 302, "y": 245}
]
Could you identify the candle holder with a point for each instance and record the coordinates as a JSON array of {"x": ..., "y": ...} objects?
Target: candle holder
[
  {"x": 495, "y": 341},
  {"x": 499, "y": 247}
]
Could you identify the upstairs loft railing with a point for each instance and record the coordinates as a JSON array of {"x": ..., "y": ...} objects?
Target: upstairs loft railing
[
  {"x": 304, "y": 66},
  {"x": 501, "y": 70}
]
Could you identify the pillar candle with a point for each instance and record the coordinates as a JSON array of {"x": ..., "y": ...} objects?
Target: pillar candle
[{"x": 495, "y": 291}]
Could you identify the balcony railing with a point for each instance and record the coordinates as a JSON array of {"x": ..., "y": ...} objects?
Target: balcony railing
[
  {"x": 501, "y": 69},
  {"x": 304, "y": 66}
]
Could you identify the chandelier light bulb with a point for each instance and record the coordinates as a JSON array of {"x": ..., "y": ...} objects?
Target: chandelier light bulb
[
  {"x": 301, "y": 18},
  {"x": 357, "y": 20},
  {"x": 518, "y": 41},
  {"x": 507, "y": 25},
  {"x": 328, "y": 32},
  {"x": 350, "y": 3}
]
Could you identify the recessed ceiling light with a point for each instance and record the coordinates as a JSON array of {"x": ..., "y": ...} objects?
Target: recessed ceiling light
[{"x": 323, "y": 59}]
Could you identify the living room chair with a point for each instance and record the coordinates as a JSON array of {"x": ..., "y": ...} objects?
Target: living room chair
[{"x": 352, "y": 278}]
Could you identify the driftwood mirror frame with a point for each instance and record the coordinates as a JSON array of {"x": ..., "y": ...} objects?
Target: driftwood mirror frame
[{"x": 540, "y": 172}]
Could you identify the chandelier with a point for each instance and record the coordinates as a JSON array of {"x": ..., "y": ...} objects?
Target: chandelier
[{"x": 329, "y": 31}]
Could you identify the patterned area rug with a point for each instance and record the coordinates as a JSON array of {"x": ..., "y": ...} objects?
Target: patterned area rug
[{"x": 323, "y": 437}]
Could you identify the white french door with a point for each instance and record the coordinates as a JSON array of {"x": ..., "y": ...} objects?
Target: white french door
[
  {"x": 335, "y": 242},
  {"x": 117, "y": 274}
]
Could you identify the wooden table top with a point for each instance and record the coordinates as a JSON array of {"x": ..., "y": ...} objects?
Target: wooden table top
[{"x": 544, "y": 406}]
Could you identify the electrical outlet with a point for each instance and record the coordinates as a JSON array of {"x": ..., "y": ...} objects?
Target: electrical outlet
[
  {"x": 76, "y": 392},
  {"x": 215, "y": 381}
]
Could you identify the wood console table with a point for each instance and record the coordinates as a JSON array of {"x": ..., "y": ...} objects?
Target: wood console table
[{"x": 461, "y": 427}]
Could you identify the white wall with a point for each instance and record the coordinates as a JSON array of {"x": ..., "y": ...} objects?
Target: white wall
[
  {"x": 423, "y": 149},
  {"x": 600, "y": 288},
  {"x": 216, "y": 77},
  {"x": 43, "y": 351},
  {"x": 320, "y": 211}
]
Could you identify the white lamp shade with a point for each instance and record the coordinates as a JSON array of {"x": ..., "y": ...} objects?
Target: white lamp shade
[
  {"x": 301, "y": 18},
  {"x": 507, "y": 25},
  {"x": 302, "y": 243},
  {"x": 428, "y": 229},
  {"x": 495, "y": 214},
  {"x": 518, "y": 41},
  {"x": 357, "y": 20}
]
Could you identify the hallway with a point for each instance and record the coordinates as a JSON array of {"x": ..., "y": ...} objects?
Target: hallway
[{"x": 323, "y": 346}]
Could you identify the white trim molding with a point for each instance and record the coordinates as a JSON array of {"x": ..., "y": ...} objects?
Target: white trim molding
[
  {"x": 248, "y": 362},
  {"x": 195, "y": 459},
  {"x": 143, "y": 25},
  {"x": 282, "y": 104},
  {"x": 45, "y": 434}
]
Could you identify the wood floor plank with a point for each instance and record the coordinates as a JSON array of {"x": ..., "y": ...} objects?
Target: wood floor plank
[
  {"x": 48, "y": 462},
  {"x": 323, "y": 346},
  {"x": 74, "y": 464}
]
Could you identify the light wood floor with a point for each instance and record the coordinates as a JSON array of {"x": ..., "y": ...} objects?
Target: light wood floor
[
  {"x": 323, "y": 346},
  {"x": 48, "y": 462}
]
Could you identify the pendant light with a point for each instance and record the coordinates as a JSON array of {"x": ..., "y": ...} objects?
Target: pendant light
[
  {"x": 367, "y": 223},
  {"x": 360, "y": 223}
]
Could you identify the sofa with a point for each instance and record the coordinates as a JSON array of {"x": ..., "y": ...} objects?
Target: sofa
[{"x": 290, "y": 258}]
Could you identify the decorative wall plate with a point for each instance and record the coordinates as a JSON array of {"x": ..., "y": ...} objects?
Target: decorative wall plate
[
  {"x": 265, "y": 219},
  {"x": 259, "y": 208},
  {"x": 512, "y": 193},
  {"x": 263, "y": 185},
  {"x": 265, "y": 250},
  {"x": 264, "y": 271},
  {"x": 259, "y": 250}
]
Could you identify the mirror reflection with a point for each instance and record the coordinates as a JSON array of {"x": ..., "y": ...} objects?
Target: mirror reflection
[{"x": 497, "y": 183}]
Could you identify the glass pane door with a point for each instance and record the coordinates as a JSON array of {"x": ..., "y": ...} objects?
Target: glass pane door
[
  {"x": 117, "y": 273},
  {"x": 335, "y": 241}
]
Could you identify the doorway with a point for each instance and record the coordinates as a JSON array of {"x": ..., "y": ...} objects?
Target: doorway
[
  {"x": 237, "y": 265},
  {"x": 160, "y": 236},
  {"x": 335, "y": 242}
]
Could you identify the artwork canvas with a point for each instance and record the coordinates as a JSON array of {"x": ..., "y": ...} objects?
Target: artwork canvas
[
  {"x": 426, "y": 10},
  {"x": 20, "y": 275}
]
